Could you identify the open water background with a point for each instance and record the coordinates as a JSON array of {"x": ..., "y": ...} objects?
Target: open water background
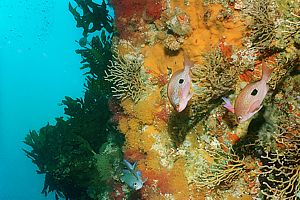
[{"x": 38, "y": 67}]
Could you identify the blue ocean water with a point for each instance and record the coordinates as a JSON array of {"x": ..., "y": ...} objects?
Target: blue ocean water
[{"x": 38, "y": 67}]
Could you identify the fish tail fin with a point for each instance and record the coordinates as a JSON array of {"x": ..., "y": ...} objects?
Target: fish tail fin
[
  {"x": 187, "y": 62},
  {"x": 266, "y": 72}
]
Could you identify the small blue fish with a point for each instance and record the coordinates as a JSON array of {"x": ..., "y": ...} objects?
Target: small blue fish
[{"x": 132, "y": 177}]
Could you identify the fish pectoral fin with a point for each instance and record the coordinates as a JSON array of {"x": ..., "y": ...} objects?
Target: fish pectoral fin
[
  {"x": 255, "y": 107},
  {"x": 145, "y": 180},
  {"x": 139, "y": 173},
  {"x": 134, "y": 165},
  {"x": 190, "y": 96}
]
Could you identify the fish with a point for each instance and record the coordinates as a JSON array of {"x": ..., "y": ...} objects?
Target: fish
[
  {"x": 132, "y": 177},
  {"x": 250, "y": 99},
  {"x": 179, "y": 87}
]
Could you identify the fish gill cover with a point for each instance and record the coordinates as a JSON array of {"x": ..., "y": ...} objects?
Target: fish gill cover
[{"x": 201, "y": 152}]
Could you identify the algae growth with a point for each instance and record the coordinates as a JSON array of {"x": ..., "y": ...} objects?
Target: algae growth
[{"x": 202, "y": 152}]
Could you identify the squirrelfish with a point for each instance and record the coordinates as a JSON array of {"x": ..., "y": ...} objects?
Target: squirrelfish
[
  {"x": 179, "y": 87},
  {"x": 132, "y": 177},
  {"x": 249, "y": 101}
]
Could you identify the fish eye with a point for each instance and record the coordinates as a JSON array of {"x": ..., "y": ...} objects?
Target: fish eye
[
  {"x": 240, "y": 118},
  {"x": 181, "y": 81},
  {"x": 254, "y": 92}
]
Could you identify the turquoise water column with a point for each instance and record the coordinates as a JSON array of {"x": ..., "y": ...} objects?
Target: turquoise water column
[{"x": 38, "y": 67}]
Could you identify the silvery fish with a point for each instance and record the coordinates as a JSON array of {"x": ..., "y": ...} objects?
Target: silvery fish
[
  {"x": 251, "y": 97},
  {"x": 132, "y": 177},
  {"x": 179, "y": 87}
]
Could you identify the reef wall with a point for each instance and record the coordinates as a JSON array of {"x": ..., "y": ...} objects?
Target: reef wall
[{"x": 201, "y": 152}]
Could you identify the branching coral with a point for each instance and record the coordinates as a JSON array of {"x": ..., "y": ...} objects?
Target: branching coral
[
  {"x": 289, "y": 24},
  {"x": 224, "y": 170},
  {"x": 290, "y": 29},
  {"x": 224, "y": 13},
  {"x": 274, "y": 26},
  {"x": 81, "y": 161},
  {"x": 263, "y": 22},
  {"x": 125, "y": 72},
  {"x": 280, "y": 175},
  {"x": 216, "y": 78},
  {"x": 279, "y": 140}
]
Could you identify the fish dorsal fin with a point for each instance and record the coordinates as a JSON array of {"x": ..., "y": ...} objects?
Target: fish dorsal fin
[
  {"x": 187, "y": 63},
  {"x": 134, "y": 166},
  {"x": 255, "y": 107},
  {"x": 128, "y": 165}
]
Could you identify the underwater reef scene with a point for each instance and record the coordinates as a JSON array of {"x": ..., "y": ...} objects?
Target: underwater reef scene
[{"x": 138, "y": 133}]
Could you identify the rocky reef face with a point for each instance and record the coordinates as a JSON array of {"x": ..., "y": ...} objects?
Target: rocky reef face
[
  {"x": 197, "y": 153},
  {"x": 201, "y": 152}
]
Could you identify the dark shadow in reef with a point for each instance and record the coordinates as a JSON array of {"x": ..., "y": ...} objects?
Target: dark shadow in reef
[
  {"x": 265, "y": 53},
  {"x": 178, "y": 126},
  {"x": 247, "y": 144},
  {"x": 171, "y": 53},
  {"x": 135, "y": 195},
  {"x": 201, "y": 112}
]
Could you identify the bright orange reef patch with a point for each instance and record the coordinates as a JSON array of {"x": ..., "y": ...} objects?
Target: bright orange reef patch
[{"x": 142, "y": 125}]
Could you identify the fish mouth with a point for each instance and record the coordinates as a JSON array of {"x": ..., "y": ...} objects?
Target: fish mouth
[{"x": 179, "y": 109}]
